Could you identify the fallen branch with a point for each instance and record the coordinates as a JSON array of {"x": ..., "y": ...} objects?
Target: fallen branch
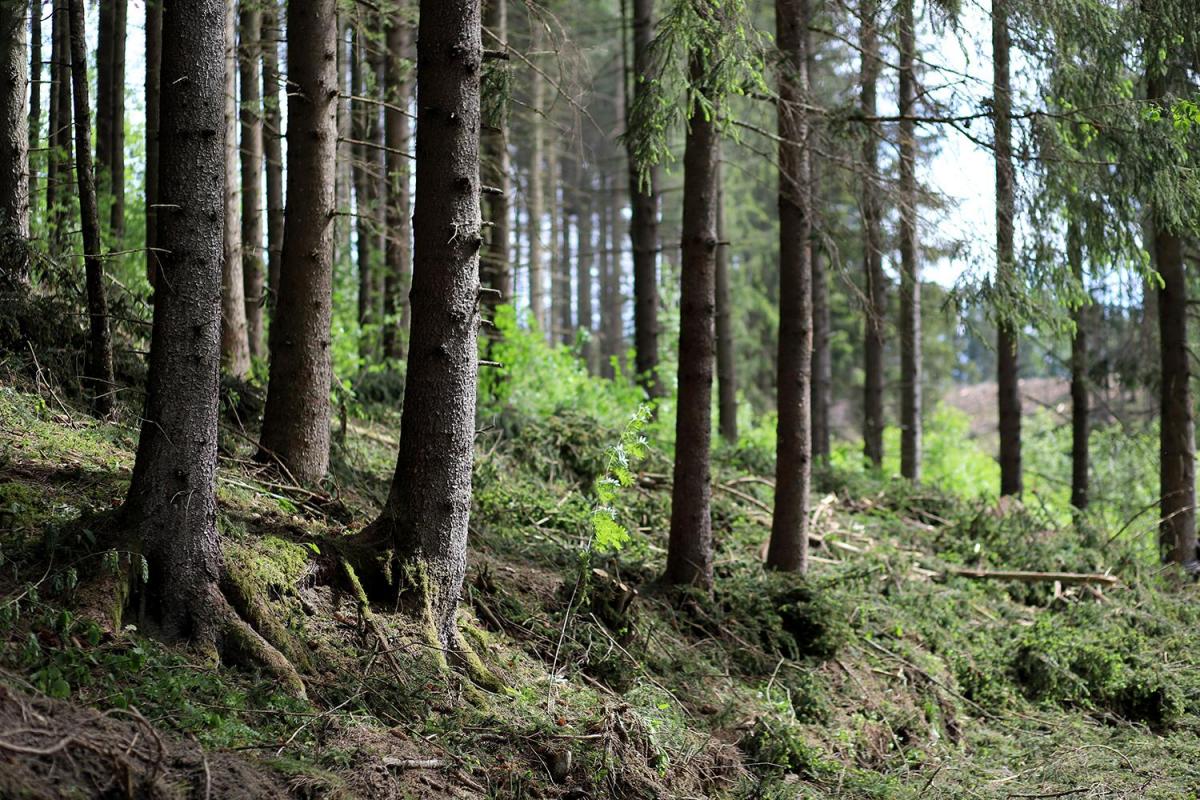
[
  {"x": 1034, "y": 577},
  {"x": 413, "y": 763}
]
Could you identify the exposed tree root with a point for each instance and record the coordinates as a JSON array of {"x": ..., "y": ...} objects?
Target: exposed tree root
[{"x": 242, "y": 644}]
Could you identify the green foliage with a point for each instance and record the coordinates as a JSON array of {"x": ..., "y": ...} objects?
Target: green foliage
[{"x": 608, "y": 534}]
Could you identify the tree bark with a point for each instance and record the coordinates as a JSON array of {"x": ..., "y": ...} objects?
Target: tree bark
[
  {"x": 171, "y": 505},
  {"x": 788, "y": 547},
  {"x": 235, "y": 345},
  {"x": 584, "y": 256},
  {"x": 690, "y": 548},
  {"x": 614, "y": 324},
  {"x": 154, "y": 21},
  {"x": 643, "y": 223},
  {"x": 364, "y": 120},
  {"x": 562, "y": 277},
  {"x": 537, "y": 201},
  {"x": 1080, "y": 411},
  {"x": 14, "y": 151},
  {"x": 250, "y": 108},
  {"x": 428, "y": 506},
  {"x": 344, "y": 178},
  {"x": 872, "y": 214},
  {"x": 556, "y": 255},
  {"x": 822, "y": 359},
  {"x": 272, "y": 145},
  {"x": 497, "y": 270},
  {"x": 1177, "y": 429},
  {"x": 58, "y": 191},
  {"x": 1007, "y": 366},
  {"x": 110, "y": 114},
  {"x": 726, "y": 371},
  {"x": 98, "y": 368},
  {"x": 35, "y": 96},
  {"x": 399, "y": 216},
  {"x": 910, "y": 268},
  {"x": 296, "y": 419}
]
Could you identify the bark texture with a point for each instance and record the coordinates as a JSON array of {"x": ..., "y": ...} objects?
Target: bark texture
[
  {"x": 537, "y": 192},
  {"x": 1007, "y": 365},
  {"x": 726, "y": 370},
  {"x": 643, "y": 224},
  {"x": 110, "y": 113},
  {"x": 58, "y": 188},
  {"x": 364, "y": 121},
  {"x": 250, "y": 111},
  {"x": 910, "y": 267},
  {"x": 690, "y": 549},
  {"x": 14, "y": 150},
  {"x": 296, "y": 419},
  {"x": 171, "y": 507},
  {"x": 496, "y": 269},
  {"x": 272, "y": 145},
  {"x": 822, "y": 357},
  {"x": 35, "y": 95},
  {"x": 1080, "y": 411},
  {"x": 788, "y": 547},
  {"x": 872, "y": 214},
  {"x": 154, "y": 20},
  {"x": 235, "y": 345},
  {"x": 429, "y": 503},
  {"x": 399, "y": 206},
  {"x": 98, "y": 367}
]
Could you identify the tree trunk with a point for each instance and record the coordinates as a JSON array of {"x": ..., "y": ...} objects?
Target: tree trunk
[
  {"x": 14, "y": 151},
  {"x": 585, "y": 252},
  {"x": 172, "y": 496},
  {"x": 614, "y": 324},
  {"x": 910, "y": 267},
  {"x": 235, "y": 346},
  {"x": 643, "y": 223},
  {"x": 399, "y": 218},
  {"x": 105, "y": 91},
  {"x": 497, "y": 271},
  {"x": 117, "y": 157},
  {"x": 58, "y": 190},
  {"x": 1177, "y": 429},
  {"x": 1007, "y": 368},
  {"x": 249, "y": 60},
  {"x": 1079, "y": 376},
  {"x": 726, "y": 371},
  {"x": 296, "y": 419},
  {"x": 872, "y": 214},
  {"x": 537, "y": 201},
  {"x": 35, "y": 96},
  {"x": 343, "y": 181},
  {"x": 429, "y": 503},
  {"x": 98, "y": 368},
  {"x": 822, "y": 359},
  {"x": 154, "y": 21},
  {"x": 562, "y": 278},
  {"x": 788, "y": 548},
  {"x": 556, "y": 254},
  {"x": 363, "y": 130},
  {"x": 272, "y": 145},
  {"x": 690, "y": 549}
]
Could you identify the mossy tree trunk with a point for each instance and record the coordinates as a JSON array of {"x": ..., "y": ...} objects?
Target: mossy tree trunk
[{"x": 426, "y": 514}]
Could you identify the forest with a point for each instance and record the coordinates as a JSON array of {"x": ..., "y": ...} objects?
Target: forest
[{"x": 586, "y": 399}]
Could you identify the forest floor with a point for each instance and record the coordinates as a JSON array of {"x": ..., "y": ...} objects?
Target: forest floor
[{"x": 885, "y": 674}]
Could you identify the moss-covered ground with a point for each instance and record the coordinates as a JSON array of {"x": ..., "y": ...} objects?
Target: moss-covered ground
[{"x": 881, "y": 675}]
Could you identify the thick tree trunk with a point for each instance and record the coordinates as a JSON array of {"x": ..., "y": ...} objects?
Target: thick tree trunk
[
  {"x": 690, "y": 549},
  {"x": 272, "y": 145},
  {"x": 154, "y": 21},
  {"x": 910, "y": 267},
  {"x": 296, "y": 419},
  {"x": 876, "y": 283},
  {"x": 172, "y": 497},
  {"x": 496, "y": 269},
  {"x": 364, "y": 121},
  {"x": 429, "y": 503},
  {"x": 399, "y": 218},
  {"x": 1080, "y": 411},
  {"x": 235, "y": 346},
  {"x": 249, "y": 60},
  {"x": 643, "y": 223},
  {"x": 788, "y": 548},
  {"x": 14, "y": 151},
  {"x": 1007, "y": 366},
  {"x": 98, "y": 368},
  {"x": 726, "y": 371},
  {"x": 35, "y": 95},
  {"x": 537, "y": 201},
  {"x": 58, "y": 188}
]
